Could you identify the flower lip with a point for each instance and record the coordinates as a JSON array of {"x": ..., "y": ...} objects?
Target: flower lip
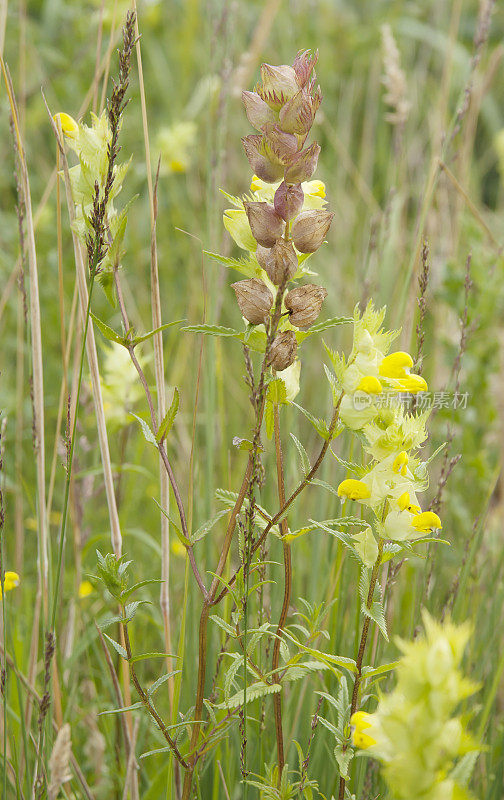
[
  {"x": 400, "y": 462},
  {"x": 68, "y": 125},
  {"x": 395, "y": 365},
  {"x": 360, "y": 722},
  {"x": 370, "y": 385},
  {"x": 354, "y": 489},
  {"x": 426, "y": 522}
]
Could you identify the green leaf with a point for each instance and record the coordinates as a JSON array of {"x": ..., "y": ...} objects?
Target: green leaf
[
  {"x": 269, "y": 419},
  {"x": 139, "y": 339},
  {"x": 322, "y": 326},
  {"x": 276, "y": 392},
  {"x": 155, "y": 686},
  {"x": 305, "y": 461},
  {"x": 185, "y": 541},
  {"x": 207, "y": 526},
  {"x": 343, "y": 757},
  {"x": 319, "y": 424},
  {"x": 254, "y": 691},
  {"x": 145, "y": 656},
  {"x": 148, "y": 434},
  {"x": 212, "y": 330},
  {"x": 169, "y": 418},
  {"x": 376, "y": 613},
  {"x": 373, "y": 672},
  {"x": 107, "y": 331},
  {"x": 134, "y": 707},
  {"x": 117, "y": 647},
  {"x": 129, "y": 591},
  {"x": 245, "y": 266}
]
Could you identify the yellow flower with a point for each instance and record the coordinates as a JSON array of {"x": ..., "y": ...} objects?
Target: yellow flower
[
  {"x": 354, "y": 490},
  {"x": 412, "y": 384},
  {"x": 10, "y": 581},
  {"x": 426, "y": 522},
  {"x": 85, "y": 589},
  {"x": 178, "y": 548},
  {"x": 405, "y": 504},
  {"x": 370, "y": 385},
  {"x": 395, "y": 365},
  {"x": 68, "y": 125},
  {"x": 400, "y": 462},
  {"x": 361, "y": 721}
]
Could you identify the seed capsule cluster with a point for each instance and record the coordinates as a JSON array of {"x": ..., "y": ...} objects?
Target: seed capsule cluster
[{"x": 282, "y": 108}]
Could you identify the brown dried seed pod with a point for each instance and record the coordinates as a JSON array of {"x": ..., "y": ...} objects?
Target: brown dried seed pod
[
  {"x": 309, "y": 229},
  {"x": 304, "y": 304},
  {"x": 283, "y": 351},
  {"x": 266, "y": 225},
  {"x": 254, "y": 299},
  {"x": 282, "y": 262},
  {"x": 288, "y": 200}
]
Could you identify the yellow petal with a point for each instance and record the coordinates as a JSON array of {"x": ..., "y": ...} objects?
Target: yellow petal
[
  {"x": 370, "y": 385},
  {"x": 360, "y": 721},
  {"x": 395, "y": 365},
  {"x": 412, "y": 384},
  {"x": 85, "y": 589},
  {"x": 399, "y": 463},
  {"x": 68, "y": 125},
  {"x": 426, "y": 522},
  {"x": 354, "y": 490}
]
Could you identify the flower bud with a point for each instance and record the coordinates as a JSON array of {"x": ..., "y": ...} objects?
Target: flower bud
[
  {"x": 258, "y": 112},
  {"x": 278, "y": 85},
  {"x": 309, "y": 229},
  {"x": 297, "y": 116},
  {"x": 68, "y": 125},
  {"x": 283, "y": 351},
  {"x": 262, "y": 159},
  {"x": 303, "y": 165},
  {"x": 288, "y": 200},
  {"x": 266, "y": 225},
  {"x": 254, "y": 299},
  {"x": 284, "y": 145},
  {"x": 304, "y": 64},
  {"x": 280, "y": 262},
  {"x": 304, "y": 304}
]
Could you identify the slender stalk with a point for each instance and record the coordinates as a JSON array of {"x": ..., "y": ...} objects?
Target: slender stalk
[
  {"x": 277, "y": 698},
  {"x": 362, "y": 647}
]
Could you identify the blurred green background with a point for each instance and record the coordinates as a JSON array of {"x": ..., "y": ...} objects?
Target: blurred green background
[{"x": 388, "y": 191}]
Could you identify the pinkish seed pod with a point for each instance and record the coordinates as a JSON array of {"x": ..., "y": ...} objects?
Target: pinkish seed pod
[
  {"x": 280, "y": 263},
  {"x": 304, "y": 64},
  {"x": 278, "y": 85},
  {"x": 288, "y": 200},
  {"x": 304, "y": 304},
  {"x": 254, "y": 299},
  {"x": 303, "y": 165},
  {"x": 309, "y": 229},
  {"x": 298, "y": 114},
  {"x": 262, "y": 159},
  {"x": 284, "y": 145},
  {"x": 283, "y": 351},
  {"x": 266, "y": 225},
  {"x": 258, "y": 112}
]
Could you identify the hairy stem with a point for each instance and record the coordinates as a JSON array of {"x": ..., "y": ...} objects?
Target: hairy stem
[
  {"x": 277, "y": 698},
  {"x": 362, "y": 646}
]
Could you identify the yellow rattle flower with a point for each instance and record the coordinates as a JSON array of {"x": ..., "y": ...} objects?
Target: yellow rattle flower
[
  {"x": 68, "y": 125},
  {"x": 400, "y": 462},
  {"x": 10, "y": 581},
  {"x": 426, "y": 522},
  {"x": 85, "y": 589},
  {"x": 370, "y": 385},
  {"x": 360, "y": 721},
  {"x": 354, "y": 490}
]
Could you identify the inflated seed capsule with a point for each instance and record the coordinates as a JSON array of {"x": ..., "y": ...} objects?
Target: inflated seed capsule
[
  {"x": 304, "y": 303},
  {"x": 280, "y": 261},
  {"x": 266, "y": 225},
  {"x": 309, "y": 229},
  {"x": 288, "y": 200},
  {"x": 283, "y": 351},
  {"x": 254, "y": 299}
]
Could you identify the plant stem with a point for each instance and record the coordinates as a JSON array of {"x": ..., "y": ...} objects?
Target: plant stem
[
  {"x": 362, "y": 647},
  {"x": 144, "y": 697},
  {"x": 277, "y": 698}
]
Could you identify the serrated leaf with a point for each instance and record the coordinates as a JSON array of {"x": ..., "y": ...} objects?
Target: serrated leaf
[
  {"x": 254, "y": 691},
  {"x": 319, "y": 424},
  {"x": 305, "y": 461},
  {"x": 377, "y": 615},
  {"x": 245, "y": 266},
  {"x": 269, "y": 419},
  {"x": 139, "y": 339},
  {"x": 185, "y": 541},
  {"x": 276, "y": 391},
  {"x": 145, "y": 656},
  {"x": 207, "y": 526},
  {"x": 373, "y": 672},
  {"x": 129, "y": 591},
  {"x": 155, "y": 686},
  {"x": 148, "y": 434},
  {"x": 169, "y": 418},
  {"x": 122, "y": 710},
  {"x": 117, "y": 647},
  {"x": 107, "y": 332},
  {"x": 212, "y": 330},
  {"x": 343, "y": 758},
  {"x": 333, "y": 383}
]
